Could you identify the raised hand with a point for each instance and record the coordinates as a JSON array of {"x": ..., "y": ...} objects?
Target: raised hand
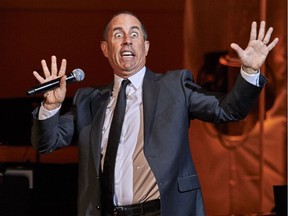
[
  {"x": 258, "y": 48},
  {"x": 53, "y": 98}
]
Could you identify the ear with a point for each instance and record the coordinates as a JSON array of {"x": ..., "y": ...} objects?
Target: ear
[
  {"x": 104, "y": 48},
  {"x": 147, "y": 45}
]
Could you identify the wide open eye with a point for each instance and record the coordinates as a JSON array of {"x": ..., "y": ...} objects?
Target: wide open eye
[
  {"x": 118, "y": 35},
  {"x": 134, "y": 34}
]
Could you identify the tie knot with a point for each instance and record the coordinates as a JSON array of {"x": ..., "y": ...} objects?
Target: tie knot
[{"x": 124, "y": 83}]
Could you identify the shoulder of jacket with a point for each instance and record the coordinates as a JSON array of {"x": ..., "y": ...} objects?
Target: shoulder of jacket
[
  {"x": 181, "y": 74},
  {"x": 85, "y": 91},
  {"x": 173, "y": 73},
  {"x": 88, "y": 92}
]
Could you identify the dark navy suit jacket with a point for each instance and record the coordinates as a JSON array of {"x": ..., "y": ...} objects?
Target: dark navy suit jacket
[{"x": 170, "y": 101}]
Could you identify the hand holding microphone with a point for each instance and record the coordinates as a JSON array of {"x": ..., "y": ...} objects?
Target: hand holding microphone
[
  {"x": 53, "y": 84},
  {"x": 76, "y": 75}
]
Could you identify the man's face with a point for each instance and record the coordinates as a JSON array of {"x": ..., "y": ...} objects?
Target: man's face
[{"x": 125, "y": 46}]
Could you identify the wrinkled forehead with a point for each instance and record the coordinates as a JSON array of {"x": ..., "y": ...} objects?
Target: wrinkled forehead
[
  {"x": 121, "y": 20},
  {"x": 125, "y": 21}
]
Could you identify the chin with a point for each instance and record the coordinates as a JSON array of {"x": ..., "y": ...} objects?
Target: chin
[{"x": 126, "y": 73}]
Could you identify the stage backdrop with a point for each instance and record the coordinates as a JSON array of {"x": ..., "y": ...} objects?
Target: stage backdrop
[
  {"x": 72, "y": 29},
  {"x": 238, "y": 163}
]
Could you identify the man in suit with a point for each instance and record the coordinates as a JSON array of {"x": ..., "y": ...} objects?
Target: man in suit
[{"x": 154, "y": 173}]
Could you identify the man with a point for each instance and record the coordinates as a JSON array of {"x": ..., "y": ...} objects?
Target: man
[{"x": 154, "y": 173}]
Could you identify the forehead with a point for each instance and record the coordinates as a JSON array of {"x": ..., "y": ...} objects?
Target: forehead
[{"x": 124, "y": 21}]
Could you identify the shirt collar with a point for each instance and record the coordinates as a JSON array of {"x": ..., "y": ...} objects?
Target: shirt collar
[{"x": 136, "y": 80}]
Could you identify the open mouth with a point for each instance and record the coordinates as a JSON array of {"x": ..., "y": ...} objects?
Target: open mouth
[{"x": 127, "y": 54}]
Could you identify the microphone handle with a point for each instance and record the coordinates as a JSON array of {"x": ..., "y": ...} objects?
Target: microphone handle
[{"x": 50, "y": 85}]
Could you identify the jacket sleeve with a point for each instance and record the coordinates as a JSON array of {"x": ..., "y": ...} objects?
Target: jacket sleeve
[
  {"x": 58, "y": 131},
  {"x": 219, "y": 107},
  {"x": 53, "y": 133}
]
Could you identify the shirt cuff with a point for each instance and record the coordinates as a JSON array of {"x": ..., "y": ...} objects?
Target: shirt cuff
[
  {"x": 45, "y": 114},
  {"x": 251, "y": 78}
]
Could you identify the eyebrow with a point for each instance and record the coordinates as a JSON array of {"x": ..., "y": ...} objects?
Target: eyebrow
[{"x": 120, "y": 28}]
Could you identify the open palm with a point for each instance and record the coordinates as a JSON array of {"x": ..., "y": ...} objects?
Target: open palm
[
  {"x": 53, "y": 98},
  {"x": 257, "y": 49}
]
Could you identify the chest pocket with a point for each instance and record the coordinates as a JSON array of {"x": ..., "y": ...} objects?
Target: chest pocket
[{"x": 188, "y": 183}]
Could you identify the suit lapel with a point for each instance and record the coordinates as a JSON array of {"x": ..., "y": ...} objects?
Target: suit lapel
[
  {"x": 150, "y": 97},
  {"x": 98, "y": 108},
  {"x": 99, "y": 105}
]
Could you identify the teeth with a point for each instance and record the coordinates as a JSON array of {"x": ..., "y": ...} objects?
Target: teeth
[{"x": 127, "y": 53}]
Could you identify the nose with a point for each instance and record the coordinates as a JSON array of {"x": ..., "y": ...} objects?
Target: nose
[{"x": 127, "y": 41}]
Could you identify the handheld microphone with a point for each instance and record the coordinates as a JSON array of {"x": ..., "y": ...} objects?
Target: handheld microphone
[{"x": 75, "y": 75}]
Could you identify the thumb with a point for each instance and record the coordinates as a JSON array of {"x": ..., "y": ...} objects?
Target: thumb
[{"x": 237, "y": 48}]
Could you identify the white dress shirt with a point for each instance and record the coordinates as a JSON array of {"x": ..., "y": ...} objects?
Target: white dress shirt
[{"x": 132, "y": 133}]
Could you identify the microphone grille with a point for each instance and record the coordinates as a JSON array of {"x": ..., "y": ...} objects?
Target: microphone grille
[{"x": 78, "y": 74}]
